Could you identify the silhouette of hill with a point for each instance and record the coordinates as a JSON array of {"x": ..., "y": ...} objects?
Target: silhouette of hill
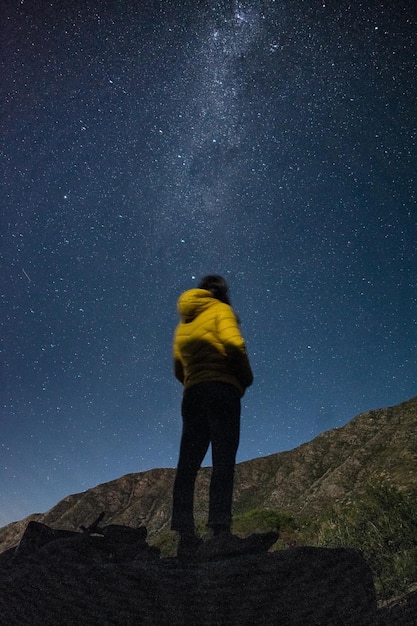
[{"x": 335, "y": 467}]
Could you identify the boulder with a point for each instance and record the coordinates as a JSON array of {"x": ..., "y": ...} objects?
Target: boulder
[
  {"x": 95, "y": 543},
  {"x": 76, "y": 580}
]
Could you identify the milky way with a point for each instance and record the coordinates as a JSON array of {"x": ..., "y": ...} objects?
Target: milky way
[{"x": 146, "y": 144}]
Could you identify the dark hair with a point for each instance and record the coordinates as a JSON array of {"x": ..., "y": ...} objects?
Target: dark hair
[{"x": 217, "y": 286}]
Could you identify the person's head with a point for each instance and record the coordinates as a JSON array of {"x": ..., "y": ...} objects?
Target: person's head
[{"x": 217, "y": 286}]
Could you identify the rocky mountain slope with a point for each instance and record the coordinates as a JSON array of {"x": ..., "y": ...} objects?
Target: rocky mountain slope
[{"x": 332, "y": 468}]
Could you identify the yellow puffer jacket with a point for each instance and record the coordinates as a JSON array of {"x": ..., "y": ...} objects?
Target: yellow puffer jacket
[{"x": 208, "y": 345}]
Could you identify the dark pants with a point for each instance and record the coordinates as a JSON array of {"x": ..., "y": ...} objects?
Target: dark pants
[{"x": 210, "y": 414}]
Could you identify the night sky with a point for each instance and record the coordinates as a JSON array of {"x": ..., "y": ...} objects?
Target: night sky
[{"x": 145, "y": 144}]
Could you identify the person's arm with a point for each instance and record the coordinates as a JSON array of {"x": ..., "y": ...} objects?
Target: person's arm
[
  {"x": 178, "y": 368},
  {"x": 234, "y": 345}
]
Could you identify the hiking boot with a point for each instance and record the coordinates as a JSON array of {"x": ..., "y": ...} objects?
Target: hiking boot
[
  {"x": 227, "y": 545},
  {"x": 188, "y": 546}
]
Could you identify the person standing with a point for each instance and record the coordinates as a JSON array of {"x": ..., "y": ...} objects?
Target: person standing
[{"x": 211, "y": 362}]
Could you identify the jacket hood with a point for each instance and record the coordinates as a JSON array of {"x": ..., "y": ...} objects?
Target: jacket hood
[{"x": 193, "y": 302}]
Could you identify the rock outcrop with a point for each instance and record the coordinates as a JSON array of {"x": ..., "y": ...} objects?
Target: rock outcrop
[{"x": 98, "y": 578}]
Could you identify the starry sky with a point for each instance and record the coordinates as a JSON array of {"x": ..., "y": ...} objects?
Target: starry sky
[{"x": 145, "y": 144}]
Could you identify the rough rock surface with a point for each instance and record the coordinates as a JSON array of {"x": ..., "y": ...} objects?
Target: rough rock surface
[{"x": 97, "y": 578}]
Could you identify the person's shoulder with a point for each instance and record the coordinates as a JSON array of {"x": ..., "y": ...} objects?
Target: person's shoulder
[
  {"x": 226, "y": 310},
  {"x": 222, "y": 306}
]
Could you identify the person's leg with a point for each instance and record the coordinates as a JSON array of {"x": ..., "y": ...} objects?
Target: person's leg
[
  {"x": 224, "y": 422},
  {"x": 195, "y": 440}
]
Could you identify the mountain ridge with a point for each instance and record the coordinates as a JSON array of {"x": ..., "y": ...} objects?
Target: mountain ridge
[{"x": 329, "y": 470}]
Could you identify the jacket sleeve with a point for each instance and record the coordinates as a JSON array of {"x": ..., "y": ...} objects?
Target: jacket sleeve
[
  {"x": 178, "y": 367},
  {"x": 234, "y": 345}
]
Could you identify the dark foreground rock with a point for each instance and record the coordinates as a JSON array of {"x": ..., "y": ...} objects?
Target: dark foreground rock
[
  {"x": 402, "y": 613},
  {"x": 86, "y": 579}
]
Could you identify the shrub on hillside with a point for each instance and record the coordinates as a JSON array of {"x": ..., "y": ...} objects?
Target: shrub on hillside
[
  {"x": 382, "y": 524},
  {"x": 262, "y": 520}
]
